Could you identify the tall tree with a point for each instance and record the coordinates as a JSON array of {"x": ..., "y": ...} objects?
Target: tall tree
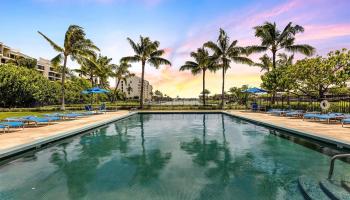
[
  {"x": 29, "y": 63},
  {"x": 105, "y": 70},
  {"x": 75, "y": 45},
  {"x": 226, "y": 51},
  {"x": 274, "y": 40},
  {"x": 146, "y": 51},
  {"x": 202, "y": 62},
  {"x": 121, "y": 73},
  {"x": 88, "y": 68},
  {"x": 316, "y": 76},
  {"x": 265, "y": 63}
]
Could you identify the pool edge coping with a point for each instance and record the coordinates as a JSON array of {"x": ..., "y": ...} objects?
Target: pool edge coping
[{"x": 65, "y": 134}]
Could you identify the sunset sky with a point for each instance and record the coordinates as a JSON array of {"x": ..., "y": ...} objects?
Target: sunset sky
[{"x": 181, "y": 26}]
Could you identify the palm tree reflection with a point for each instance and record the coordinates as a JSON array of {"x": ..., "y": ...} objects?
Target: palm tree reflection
[
  {"x": 150, "y": 162},
  {"x": 81, "y": 169}
]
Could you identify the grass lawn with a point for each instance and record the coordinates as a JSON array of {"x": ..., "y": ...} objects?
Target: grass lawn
[{"x": 4, "y": 115}]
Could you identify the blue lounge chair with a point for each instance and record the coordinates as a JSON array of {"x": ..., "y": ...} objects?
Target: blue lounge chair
[
  {"x": 4, "y": 127},
  {"x": 102, "y": 108},
  {"x": 54, "y": 115},
  {"x": 72, "y": 115},
  {"x": 12, "y": 124},
  {"x": 36, "y": 120},
  {"x": 345, "y": 121},
  {"x": 296, "y": 113},
  {"x": 254, "y": 107},
  {"x": 310, "y": 115},
  {"x": 273, "y": 111},
  {"x": 330, "y": 116},
  {"x": 281, "y": 112},
  {"x": 88, "y": 108}
]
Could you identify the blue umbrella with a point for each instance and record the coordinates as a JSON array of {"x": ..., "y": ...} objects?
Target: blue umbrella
[
  {"x": 95, "y": 90},
  {"x": 255, "y": 90}
]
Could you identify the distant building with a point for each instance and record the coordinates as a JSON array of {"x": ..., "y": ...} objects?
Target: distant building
[
  {"x": 7, "y": 53},
  {"x": 43, "y": 66},
  {"x": 132, "y": 88}
]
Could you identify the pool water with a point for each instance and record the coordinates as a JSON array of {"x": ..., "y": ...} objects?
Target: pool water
[{"x": 170, "y": 156}]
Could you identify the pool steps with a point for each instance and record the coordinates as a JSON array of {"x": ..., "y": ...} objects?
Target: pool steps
[
  {"x": 322, "y": 190},
  {"x": 334, "y": 190}
]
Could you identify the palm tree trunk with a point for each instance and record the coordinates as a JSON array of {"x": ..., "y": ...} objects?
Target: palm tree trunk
[
  {"x": 115, "y": 89},
  {"x": 204, "y": 87},
  {"x": 274, "y": 78},
  {"x": 223, "y": 89},
  {"x": 62, "y": 83},
  {"x": 92, "y": 78},
  {"x": 142, "y": 80}
]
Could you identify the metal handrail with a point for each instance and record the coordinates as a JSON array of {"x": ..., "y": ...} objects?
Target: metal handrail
[{"x": 331, "y": 168}]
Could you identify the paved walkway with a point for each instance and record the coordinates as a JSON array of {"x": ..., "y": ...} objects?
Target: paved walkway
[
  {"x": 331, "y": 131},
  {"x": 20, "y": 137}
]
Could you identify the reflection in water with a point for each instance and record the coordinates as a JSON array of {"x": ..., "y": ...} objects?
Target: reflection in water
[
  {"x": 80, "y": 171},
  {"x": 148, "y": 163},
  {"x": 169, "y": 156}
]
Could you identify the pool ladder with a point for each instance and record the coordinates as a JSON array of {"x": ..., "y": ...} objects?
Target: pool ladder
[{"x": 334, "y": 158}]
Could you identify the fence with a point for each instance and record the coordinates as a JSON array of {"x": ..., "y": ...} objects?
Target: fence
[{"x": 338, "y": 103}]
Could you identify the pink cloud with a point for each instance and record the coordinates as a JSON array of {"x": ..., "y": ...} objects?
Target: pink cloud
[{"x": 323, "y": 32}]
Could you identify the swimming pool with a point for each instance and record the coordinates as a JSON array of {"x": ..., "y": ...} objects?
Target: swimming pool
[{"x": 170, "y": 156}]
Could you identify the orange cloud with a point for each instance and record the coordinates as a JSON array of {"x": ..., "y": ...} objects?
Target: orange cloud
[{"x": 184, "y": 84}]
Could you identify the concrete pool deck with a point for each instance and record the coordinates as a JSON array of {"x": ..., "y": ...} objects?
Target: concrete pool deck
[
  {"x": 33, "y": 137},
  {"x": 22, "y": 139},
  {"x": 330, "y": 133}
]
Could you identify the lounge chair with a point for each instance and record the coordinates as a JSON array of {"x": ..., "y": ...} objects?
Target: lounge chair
[
  {"x": 345, "y": 121},
  {"x": 296, "y": 113},
  {"x": 102, "y": 108},
  {"x": 273, "y": 111},
  {"x": 254, "y": 107},
  {"x": 281, "y": 112},
  {"x": 310, "y": 115},
  {"x": 37, "y": 120},
  {"x": 330, "y": 116},
  {"x": 88, "y": 108},
  {"x": 4, "y": 127},
  {"x": 12, "y": 124}
]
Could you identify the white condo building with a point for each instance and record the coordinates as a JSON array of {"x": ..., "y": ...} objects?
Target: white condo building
[
  {"x": 132, "y": 88},
  {"x": 43, "y": 66}
]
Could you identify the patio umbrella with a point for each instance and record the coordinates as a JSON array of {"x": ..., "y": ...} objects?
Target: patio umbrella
[
  {"x": 95, "y": 90},
  {"x": 255, "y": 90}
]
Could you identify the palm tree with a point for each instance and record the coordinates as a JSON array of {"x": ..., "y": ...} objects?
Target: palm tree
[
  {"x": 284, "y": 59},
  {"x": 75, "y": 46},
  {"x": 274, "y": 40},
  {"x": 225, "y": 52},
  {"x": 146, "y": 51},
  {"x": 202, "y": 63},
  {"x": 265, "y": 63},
  {"x": 105, "y": 70},
  {"x": 88, "y": 68},
  {"x": 121, "y": 73}
]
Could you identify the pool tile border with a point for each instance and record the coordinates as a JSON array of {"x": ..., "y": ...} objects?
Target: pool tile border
[{"x": 65, "y": 134}]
